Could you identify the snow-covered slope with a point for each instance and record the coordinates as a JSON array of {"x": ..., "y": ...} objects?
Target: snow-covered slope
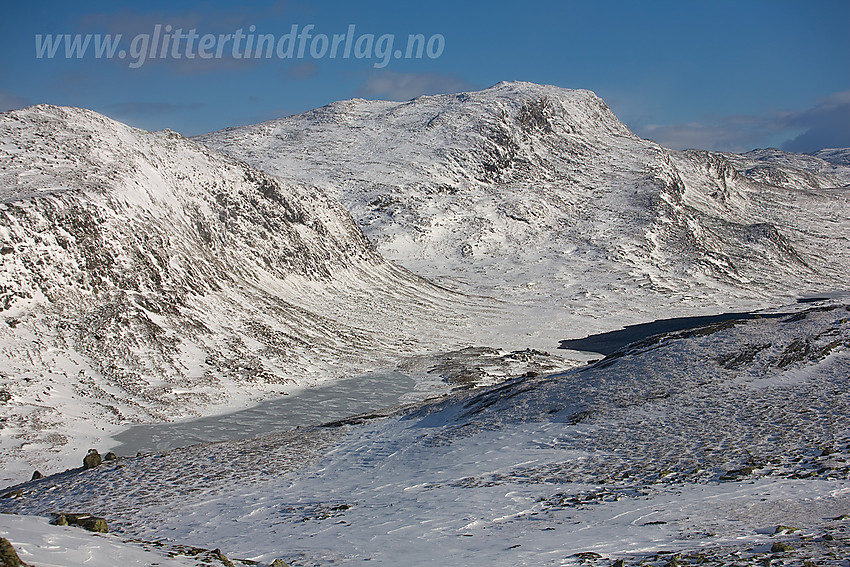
[
  {"x": 825, "y": 169},
  {"x": 715, "y": 444},
  {"x": 144, "y": 276},
  {"x": 835, "y": 156},
  {"x": 540, "y": 195}
]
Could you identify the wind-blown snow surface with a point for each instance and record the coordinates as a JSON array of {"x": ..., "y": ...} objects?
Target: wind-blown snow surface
[
  {"x": 700, "y": 443},
  {"x": 541, "y": 196},
  {"x": 144, "y": 276}
]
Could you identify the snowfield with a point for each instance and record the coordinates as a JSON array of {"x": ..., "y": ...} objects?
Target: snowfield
[{"x": 699, "y": 443}]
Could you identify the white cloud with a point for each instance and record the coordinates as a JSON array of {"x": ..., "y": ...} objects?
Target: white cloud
[
  {"x": 405, "y": 86},
  {"x": 824, "y": 125},
  {"x": 11, "y": 101}
]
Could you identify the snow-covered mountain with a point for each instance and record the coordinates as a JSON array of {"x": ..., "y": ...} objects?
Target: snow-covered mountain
[
  {"x": 835, "y": 156},
  {"x": 541, "y": 195},
  {"x": 144, "y": 276}
]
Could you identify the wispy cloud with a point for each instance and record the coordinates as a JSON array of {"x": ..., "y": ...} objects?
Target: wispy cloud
[
  {"x": 145, "y": 109},
  {"x": 298, "y": 71},
  {"x": 405, "y": 86},
  {"x": 719, "y": 133},
  {"x": 11, "y": 101},
  {"x": 827, "y": 125},
  {"x": 824, "y": 125}
]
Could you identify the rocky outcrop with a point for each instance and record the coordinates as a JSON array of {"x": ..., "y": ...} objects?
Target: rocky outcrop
[
  {"x": 8, "y": 555},
  {"x": 85, "y": 521},
  {"x": 92, "y": 459}
]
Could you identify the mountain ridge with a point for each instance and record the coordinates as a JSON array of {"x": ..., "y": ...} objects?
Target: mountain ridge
[
  {"x": 144, "y": 277},
  {"x": 526, "y": 184}
]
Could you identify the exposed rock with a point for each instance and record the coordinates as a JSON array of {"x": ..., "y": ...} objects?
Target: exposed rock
[
  {"x": 85, "y": 521},
  {"x": 588, "y": 555},
  {"x": 92, "y": 460},
  {"x": 110, "y": 456},
  {"x": 8, "y": 555},
  {"x": 223, "y": 558},
  {"x": 738, "y": 474},
  {"x": 780, "y": 547},
  {"x": 206, "y": 555},
  {"x": 780, "y": 529},
  {"x": 37, "y": 475}
]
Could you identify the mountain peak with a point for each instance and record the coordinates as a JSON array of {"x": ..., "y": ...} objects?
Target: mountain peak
[
  {"x": 510, "y": 130},
  {"x": 485, "y": 184}
]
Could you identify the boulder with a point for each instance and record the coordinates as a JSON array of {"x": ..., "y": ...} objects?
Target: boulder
[
  {"x": 222, "y": 557},
  {"x": 92, "y": 460},
  {"x": 85, "y": 521},
  {"x": 780, "y": 529}
]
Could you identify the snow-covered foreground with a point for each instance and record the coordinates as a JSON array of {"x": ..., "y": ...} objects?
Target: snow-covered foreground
[
  {"x": 701, "y": 443},
  {"x": 40, "y": 544}
]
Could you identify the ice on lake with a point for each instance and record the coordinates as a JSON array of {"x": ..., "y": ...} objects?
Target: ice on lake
[{"x": 311, "y": 406}]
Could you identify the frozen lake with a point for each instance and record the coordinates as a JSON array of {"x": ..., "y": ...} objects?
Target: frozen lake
[
  {"x": 359, "y": 394},
  {"x": 311, "y": 406}
]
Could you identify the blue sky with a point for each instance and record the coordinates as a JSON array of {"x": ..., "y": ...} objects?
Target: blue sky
[{"x": 714, "y": 75}]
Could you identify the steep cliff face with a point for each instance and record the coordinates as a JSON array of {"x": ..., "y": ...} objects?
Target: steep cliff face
[
  {"x": 525, "y": 190},
  {"x": 145, "y": 276}
]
